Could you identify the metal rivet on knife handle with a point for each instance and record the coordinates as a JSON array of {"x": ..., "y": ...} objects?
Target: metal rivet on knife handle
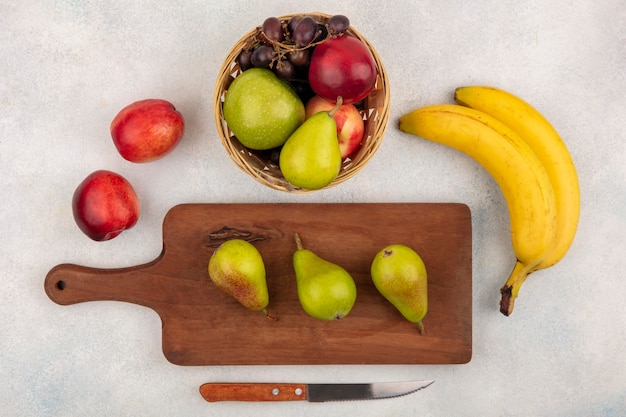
[{"x": 213, "y": 392}]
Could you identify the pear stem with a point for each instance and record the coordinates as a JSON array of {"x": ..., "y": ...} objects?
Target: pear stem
[
  {"x": 268, "y": 315},
  {"x": 420, "y": 327},
  {"x": 298, "y": 241},
  {"x": 335, "y": 109}
]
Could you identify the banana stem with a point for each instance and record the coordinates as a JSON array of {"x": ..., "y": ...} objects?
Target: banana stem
[{"x": 512, "y": 286}]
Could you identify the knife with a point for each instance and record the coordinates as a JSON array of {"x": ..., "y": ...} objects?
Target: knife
[{"x": 219, "y": 391}]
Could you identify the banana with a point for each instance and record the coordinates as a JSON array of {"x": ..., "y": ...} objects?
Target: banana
[
  {"x": 545, "y": 141},
  {"x": 516, "y": 169}
]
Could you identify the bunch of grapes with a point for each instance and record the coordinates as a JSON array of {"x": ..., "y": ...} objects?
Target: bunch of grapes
[{"x": 285, "y": 47}]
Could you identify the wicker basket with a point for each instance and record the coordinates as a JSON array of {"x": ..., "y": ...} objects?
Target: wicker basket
[{"x": 260, "y": 165}]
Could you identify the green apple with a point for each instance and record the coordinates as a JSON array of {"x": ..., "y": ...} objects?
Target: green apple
[{"x": 261, "y": 110}]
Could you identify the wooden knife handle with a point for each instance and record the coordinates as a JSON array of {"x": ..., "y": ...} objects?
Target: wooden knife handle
[{"x": 217, "y": 391}]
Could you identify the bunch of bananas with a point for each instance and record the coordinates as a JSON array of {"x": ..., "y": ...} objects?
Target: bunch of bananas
[{"x": 530, "y": 163}]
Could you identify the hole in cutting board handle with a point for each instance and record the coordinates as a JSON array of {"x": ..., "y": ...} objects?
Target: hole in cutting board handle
[{"x": 60, "y": 285}]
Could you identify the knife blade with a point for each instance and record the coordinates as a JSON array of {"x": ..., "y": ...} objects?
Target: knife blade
[{"x": 263, "y": 391}]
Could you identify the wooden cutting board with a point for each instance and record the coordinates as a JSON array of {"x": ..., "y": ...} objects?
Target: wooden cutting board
[{"x": 203, "y": 326}]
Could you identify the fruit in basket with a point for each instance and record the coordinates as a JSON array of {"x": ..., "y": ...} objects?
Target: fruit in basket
[
  {"x": 399, "y": 274},
  {"x": 350, "y": 124},
  {"x": 285, "y": 69},
  {"x": 237, "y": 268},
  {"x": 326, "y": 291},
  {"x": 147, "y": 130},
  {"x": 299, "y": 57},
  {"x": 104, "y": 205},
  {"x": 304, "y": 31},
  {"x": 517, "y": 170},
  {"x": 244, "y": 60},
  {"x": 342, "y": 66},
  {"x": 311, "y": 158},
  {"x": 272, "y": 28},
  {"x": 338, "y": 24},
  {"x": 261, "y": 110},
  {"x": 262, "y": 56}
]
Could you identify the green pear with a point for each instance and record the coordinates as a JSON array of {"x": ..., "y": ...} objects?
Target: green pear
[
  {"x": 262, "y": 110},
  {"x": 399, "y": 274},
  {"x": 237, "y": 268},
  {"x": 326, "y": 291},
  {"x": 311, "y": 158}
]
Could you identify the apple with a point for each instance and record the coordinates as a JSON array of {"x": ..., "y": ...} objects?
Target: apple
[
  {"x": 262, "y": 110},
  {"x": 147, "y": 130},
  {"x": 104, "y": 205},
  {"x": 342, "y": 66},
  {"x": 350, "y": 125}
]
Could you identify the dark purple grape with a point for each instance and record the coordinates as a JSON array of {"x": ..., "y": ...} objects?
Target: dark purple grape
[
  {"x": 321, "y": 34},
  {"x": 285, "y": 69},
  {"x": 273, "y": 29},
  {"x": 299, "y": 58},
  {"x": 305, "y": 31},
  {"x": 293, "y": 22},
  {"x": 262, "y": 56},
  {"x": 244, "y": 60},
  {"x": 275, "y": 155},
  {"x": 303, "y": 89},
  {"x": 338, "y": 24}
]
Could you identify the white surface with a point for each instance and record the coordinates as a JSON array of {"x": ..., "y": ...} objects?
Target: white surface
[{"x": 67, "y": 67}]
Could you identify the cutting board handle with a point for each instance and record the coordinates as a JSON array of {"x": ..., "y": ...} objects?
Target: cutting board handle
[{"x": 70, "y": 284}]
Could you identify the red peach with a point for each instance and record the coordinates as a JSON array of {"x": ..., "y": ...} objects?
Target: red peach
[
  {"x": 104, "y": 205},
  {"x": 147, "y": 130},
  {"x": 350, "y": 125}
]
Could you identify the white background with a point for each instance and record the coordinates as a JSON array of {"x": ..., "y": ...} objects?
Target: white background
[{"x": 67, "y": 67}]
